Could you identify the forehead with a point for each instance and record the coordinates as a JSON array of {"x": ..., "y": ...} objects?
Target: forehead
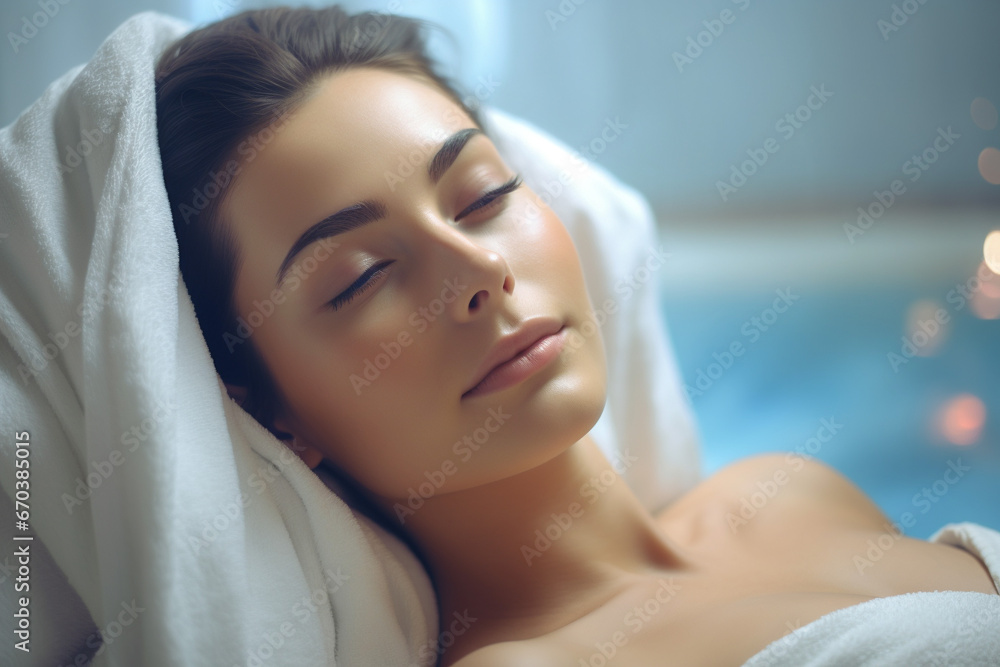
[
  {"x": 332, "y": 151},
  {"x": 354, "y": 123}
]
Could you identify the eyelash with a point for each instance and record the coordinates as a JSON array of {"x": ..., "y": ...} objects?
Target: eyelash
[
  {"x": 361, "y": 285},
  {"x": 493, "y": 196}
]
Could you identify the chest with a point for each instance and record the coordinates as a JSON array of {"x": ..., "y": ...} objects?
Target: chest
[{"x": 761, "y": 586}]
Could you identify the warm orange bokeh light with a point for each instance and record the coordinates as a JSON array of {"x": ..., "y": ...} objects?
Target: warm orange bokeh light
[
  {"x": 989, "y": 165},
  {"x": 960, "y": 421},
  {"x": 985, "y": 301},
  {"x": 984, "y": 306}
]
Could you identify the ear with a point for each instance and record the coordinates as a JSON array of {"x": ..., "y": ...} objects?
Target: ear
[
  {"x": 281, "y": 429},
  {"x": 304, "y": 449},
  {"x": 237, "y": 393}
]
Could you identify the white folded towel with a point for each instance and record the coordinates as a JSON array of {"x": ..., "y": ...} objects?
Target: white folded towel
[
  {"x": 168, "y": 524},
  {"x": 927, "y": 629}
]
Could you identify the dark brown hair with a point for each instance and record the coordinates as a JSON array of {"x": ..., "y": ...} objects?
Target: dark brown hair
[{"x": 229, "y": 81}]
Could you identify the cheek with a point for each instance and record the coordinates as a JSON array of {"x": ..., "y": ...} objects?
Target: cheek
[
  {"x": 365, "y": 403},
  {"x": 559, "y": 256},
  {"x": 586, "y": 341},
  {"x": 537, "y": 222}
]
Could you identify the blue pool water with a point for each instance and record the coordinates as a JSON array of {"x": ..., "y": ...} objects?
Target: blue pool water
[{"x": 825, "y": 357}]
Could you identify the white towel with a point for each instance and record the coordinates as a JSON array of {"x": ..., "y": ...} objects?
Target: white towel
[
  {"x": 927, "y": 629},
  {"x": 167, "y": 522}
]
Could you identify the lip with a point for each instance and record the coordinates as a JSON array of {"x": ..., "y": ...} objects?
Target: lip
[{"x": 518, "y": 355}]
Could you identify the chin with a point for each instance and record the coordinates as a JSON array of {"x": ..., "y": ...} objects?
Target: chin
[
  {"x": 588, "y": 408},
  {"x": 549, "y": 415},
  {"x": 582, "y": 388},
  {"x": 569, "y": 405}
]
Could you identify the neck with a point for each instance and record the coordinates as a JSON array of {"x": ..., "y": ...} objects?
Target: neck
[{"x": 535, "y": 551}]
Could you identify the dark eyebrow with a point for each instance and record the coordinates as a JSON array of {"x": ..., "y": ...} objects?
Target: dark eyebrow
[
  {"x": 362, "y": 213},
  {"x": 449, "y": 151},
  {"x": 342, "y": 221}
]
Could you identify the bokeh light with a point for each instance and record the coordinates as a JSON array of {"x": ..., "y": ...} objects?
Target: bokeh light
[
  {"x": 960, "y": 420},
  {"x": 991, "y": 285},
  {"x": 991, "y": 251},
  {"x": 985, "y": 307},
  {"x": 984, "y": 114},
  {"x": 989, "y": 165},
  {"x": 924, "y": 328},
  {"x": 985, "y": 300}
]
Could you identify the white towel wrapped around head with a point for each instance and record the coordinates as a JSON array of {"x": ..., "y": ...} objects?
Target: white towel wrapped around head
[{"x": 169, "y": 527}]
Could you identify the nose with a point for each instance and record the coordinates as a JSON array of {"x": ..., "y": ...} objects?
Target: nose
[
  {"x": 476, "y": 275},
  {"x": 489, "y": 280}
]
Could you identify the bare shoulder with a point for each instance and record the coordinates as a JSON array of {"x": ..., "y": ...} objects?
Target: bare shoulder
[
  {"x": 520, "y": 653},
  {"x": 787, "y": 482},
  {"x": 805, "y": 485}
]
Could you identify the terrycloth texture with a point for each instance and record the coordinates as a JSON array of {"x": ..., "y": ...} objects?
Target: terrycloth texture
[
  {"x": 164, "y": 515},
  {"x": 913, "y": 630}
]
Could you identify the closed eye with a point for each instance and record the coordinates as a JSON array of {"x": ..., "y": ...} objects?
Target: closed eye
[
  {"x": 360, "y": 285},
  {"x": 367, "y": 279},
  {"x": 491, "y": 197}
]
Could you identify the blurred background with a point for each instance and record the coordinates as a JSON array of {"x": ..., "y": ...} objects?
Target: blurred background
[{"x": 826, "y": 177}]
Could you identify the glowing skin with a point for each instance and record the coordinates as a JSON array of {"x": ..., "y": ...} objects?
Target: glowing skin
[
  {"x": 336, "y": 150},
  {"x": 699, "y": 592}
]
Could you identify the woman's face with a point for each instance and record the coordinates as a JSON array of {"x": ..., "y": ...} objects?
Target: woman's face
[{"x": 377, "y": 384}]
